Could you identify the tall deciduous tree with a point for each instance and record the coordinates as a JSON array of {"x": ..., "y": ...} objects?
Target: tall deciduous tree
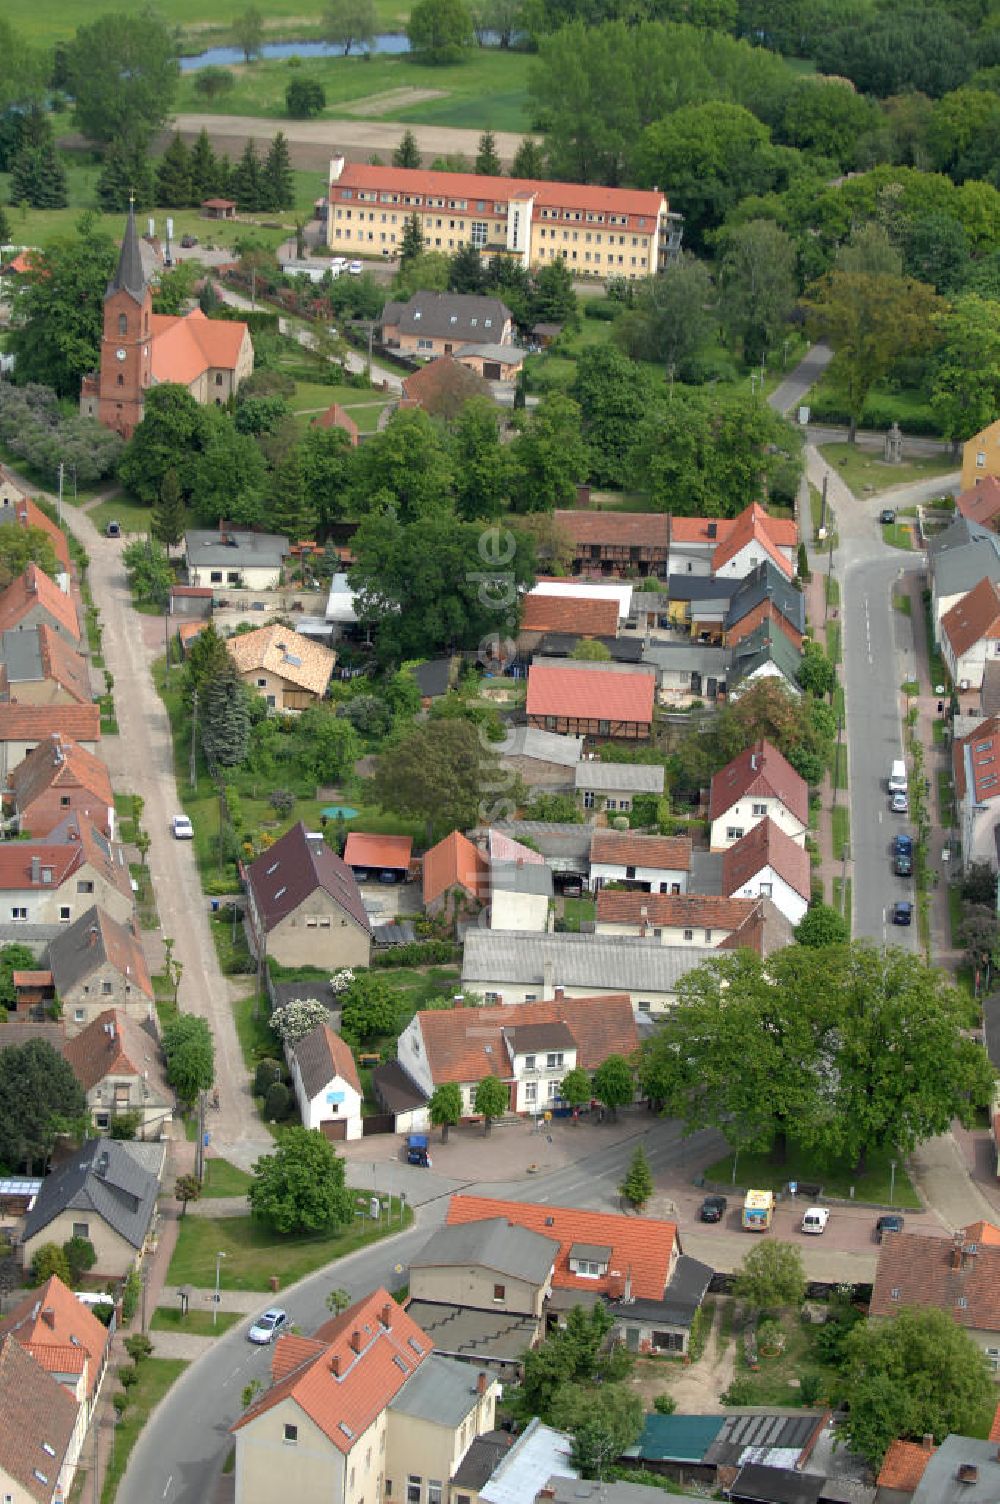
[
  {"x": 966, "y": 386},
  {"x": 445, "y": 1107},
  {"x": 671, "y": 320},
  {"x": 292, "y": 511},
  {"x": 482, "y": 468},
  {"x": 123, "y": 73},
  {"x": 407, "y": 463},
  {"x": 549, "y": 455},
  {"x": 757, "y": 274},
  {"x": 39, "y": 1098},
  {"x": 614, "y": 395},
  {"x": 190, "y": 1056},
  {"x": 349, "y": 23},
  {"x": 490, "y": 1100},
  {"x": 248, "y": 28},
  {"x": 172, "y": 434},
  {"x": 438, "y": 774},
  {"x": 771, "y": 1274},
  {"x": 300, "y": 1187},
  {"x": 370, "y": 1006},
  {"x": 614, "y": 1083},
  {"x": 439, "y": 30},
  {"x": 59, "y": 309}
]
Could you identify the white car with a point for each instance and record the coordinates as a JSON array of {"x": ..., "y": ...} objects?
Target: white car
[
  {"x": 268, "y": 1326},
  {"x": 355, "y": 268},
  {"x": 814, "y": 1219},
  {"x": 182, "y": 828},
  {"x": 338, "y": 261}
]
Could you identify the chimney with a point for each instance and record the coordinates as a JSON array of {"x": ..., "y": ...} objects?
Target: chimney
[
  {"x": 356, "y": 1341},
  {"x": 968, "y": 1472},
  {"x": 385, "y": 1315},
  {"x": 337, "y": 165},
  {"x": 36, "y": 869},
  {"x": 753, "y": 761},
  {"x": 335, "y": 1365},
  {"x": 32, "y": 582},
  {"x": 548, "y": 975},
  {"x": 956, "y": 1257},
  {"x": 49, "y": 1317},
  {"x": 481, "y": 1383},
  {"x": 92, "y": 935},
  {"x": 559, "y": 994},
  {"x": 458, "y": 1001}
]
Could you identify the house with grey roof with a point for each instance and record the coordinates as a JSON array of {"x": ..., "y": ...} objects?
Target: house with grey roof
[
  {"x": 961, "y": 1469},
  {"x": 512, "y": 967},
  {"x": 766, "y": 653},
  {"x": 539, "y": 1452},
  {"x": 957, "y": 559},
  {"x": 326, "y": 1084},
  {"x": 226, "y": 558},
  {"x": 429, "y": 1419},
  {"x": 766, "y": 594},
  {"x": 440, "y": 323},
  {"x": 520, "y": 896},
  {"x": 304, "y": 906},
  {"x": 566, "y": 848},
  {"x": 687, "y": 669},
  {"x": 574, "y": 1491},
  {"x": 480, "y": 1462},
  {"x": 614, "y": 785},
  {"x": 104, "y": 1193},
  {"x": 544, "y": 759}
]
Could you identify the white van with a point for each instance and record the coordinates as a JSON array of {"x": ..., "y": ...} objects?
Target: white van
[
  {"x": 897, "y": 777},
  {"x": 815, "y": 1219}
]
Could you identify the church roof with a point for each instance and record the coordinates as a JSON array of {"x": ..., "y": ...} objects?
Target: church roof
[
  {"x": 129, "y": 276},
  {"x": 186, "y": 345}
]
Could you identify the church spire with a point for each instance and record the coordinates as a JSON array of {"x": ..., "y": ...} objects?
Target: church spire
[{"x": 130, "y": 276}]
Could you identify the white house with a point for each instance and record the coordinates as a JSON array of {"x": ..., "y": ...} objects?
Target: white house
[
  {"x": 976, "y": 774},
  {"x": 695, "y": 919},
  {"x": 752, "y": 538},
  {"x": 520, "y": 895},
  {"x": 325, "y": 1080},
  {"x": 758, "y": 785},
  {"x": 226, "y": 558},
  {"x": 970, "y": 634},
  {"x": 767, "y": 863},
  {"x": 654, "y": 864},
  {"x": 615, "y": 784}
]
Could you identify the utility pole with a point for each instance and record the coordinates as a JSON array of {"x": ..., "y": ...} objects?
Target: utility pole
[
  {"x": 194, "y": 729},
  {"x": 836, "y": 764},
  {"x": 200, "y": 1157},
  {"x": 371, "y": 335},
  {"x": 843, "y": 883},
  {"x": 62, "y": 468},
  {"x": 822, "y": 508}
]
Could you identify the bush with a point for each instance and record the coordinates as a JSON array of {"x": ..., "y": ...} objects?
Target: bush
[
  {"x": 128, "y": 1375},
  {"x": 277, "y": 1102},
  {"x": 266, "y": 1074},
  {"x": 282, "y": 801},
  {"x": 138, "y": 1346},
  {"x": 130, "y": 1295},
  {"x": 740, "y": 1391},
  {"x": 104, "y": 1312},
  {"x": 664, "y": 1404},
  {"x": 305, "y": 98},
  {"x": 810, "y": 1388},
  {"x": 595, "y": 308},
  {"x": 120, "y": 1401},
  {"x": 80, "y": 1256},
  {"x": 418, "y": 953}
]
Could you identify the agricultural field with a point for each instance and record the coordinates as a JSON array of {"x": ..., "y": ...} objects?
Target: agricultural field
[{"x": 200, "y": 25}]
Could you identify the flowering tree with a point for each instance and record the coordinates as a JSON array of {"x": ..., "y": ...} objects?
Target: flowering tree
[
  {"x": 294, "y": 1021},
  {"x": 341, "y": 980}
]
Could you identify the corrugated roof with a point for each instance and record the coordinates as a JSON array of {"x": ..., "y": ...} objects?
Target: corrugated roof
[
  {"x": 500, "y": 957},
  {"x": 760, "y": 771},
  {"x": 637, "y": 777},
  {"x": 576, "y": 694},
  {"x": 676, "y": 1438},
  {"x": 545, "y": 746}
]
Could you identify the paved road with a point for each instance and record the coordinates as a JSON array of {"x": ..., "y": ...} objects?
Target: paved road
[{"x": 787, "y": 397}]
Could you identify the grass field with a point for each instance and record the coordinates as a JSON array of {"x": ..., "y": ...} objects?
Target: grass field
[
  {"x": 54, "y": 20},
  {"x": 312, "y": 397},
  {"x": 765, "y": 1173},
  {"x": 224, "y": 1179},
  {"x": 155, "y": 1377},
  {"x": 254, "y": 1254},
  {"x": 863, "y": 469},
  {"x": 195, "y": 1323}
]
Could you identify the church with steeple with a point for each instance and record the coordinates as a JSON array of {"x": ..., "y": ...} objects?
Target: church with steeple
[{"x": 141, "y": 349}]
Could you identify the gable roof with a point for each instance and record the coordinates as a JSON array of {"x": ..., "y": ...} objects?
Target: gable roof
[
  {"x": 641, "y": 1247},
  {"x": 975, "y": 762},
  {"x": 577, "y": 614},
  {"x": 101, "y": 1177},
  {"x": 441, "y": 382},
  {"x": 615, "y": 529},
  {"x": 496, "y": 958},
  {"x": 448, "y": 315},
  {"x": 959, "y": 1276},
  {"x": 579, "y": 694},
  {"x": 633, "y": 777},
  {"x": 80, "y": 723},
  {"x": 106, "y": 858},
  {"x": 766, "y": 846},
  {"x": 34, "y": 588},
  {"x": 621, "y": 848},
  {"x": 363, "y": 850},
  {"x": 62, "y": 765},
  {"x": 322, "y": 1055},
  {"x": 336, "y": 416},
  {"x": 186, "y": 345},
  {"x": 501, "y": 847},
  {"x": 961, "y": 556},
  {"x": 282, "y": 651},
  {"x": 63, "y": 663},
  {"x": 295, "y": 866},
  {"x": 767, "y": 643},
  {"x": 455, "y": 863},
  {"x": 343, "y": 1388},
  {"x": 116, "y": 1044},
  {"x": 983, "y": 1233},
  {"x": 975, "y": 618},
  {"x": 754, "y": 525},
  {"x": 981, "y": 503},
  {"x": 761, "y": 771},
  {"x": 51, "y": 1316},
  {"x": 674, "y": 910},
  {"x": 39, "y": 1418},
  {"x": 466, "y": 1044},
  {"x": 27, "y": 513},
  {"x": 903, "y": 1465},
  {"x": 495, "y": 1244},
  {"x": 767, "y": 583}
]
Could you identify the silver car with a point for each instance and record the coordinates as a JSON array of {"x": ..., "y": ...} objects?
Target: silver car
[{"x": 268, "y": 1326}]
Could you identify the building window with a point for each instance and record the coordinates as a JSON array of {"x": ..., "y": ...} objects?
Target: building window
[
  {"x": 413, "y": 1489},
  {"x": 121, "y": 380},
  {"x": 980, "y": 460},
  {"x": 499, "y": 1292},
  {"x": 101, "y": 1119},
  {"x": 261, "y": 683},
  {"x": 64, "y": 801},
  {"x": 894, "y": 1293},
  {"x": 765, "y": 890},
  {"x": 85, "y": 885},
  {"x": 529, "y": 1062},
  {"x": 81, "y": 1229},
  {"x": 433, "y": 1491},
  {"x": 18, "y": 914},
  {"x": 588, "y": 798},
  {"x": 554, "y": 1060},
  {"x": 734, "y": 832},
  {"x": 291, "y": 1434},
  {"x": 689, "y": 934},
  {"x": 64, "y": 914},
  {"x": 107, "y": 988},
  {"x": 215, "y": 577},
  {"x": 530, "y": 1091},
  {"x": 122, "y": 324},
  {"x": 760, "y": 809},
  {"x": 480, "y": 234},
  {"x": 218, "y": 378}
]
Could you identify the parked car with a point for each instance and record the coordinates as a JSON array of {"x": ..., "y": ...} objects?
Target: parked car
[
  {"x": 887, "y": 515},
  {"x": 814, "y": 1219},
  {"x": 891, "y": 1222},
  {"x": 713, "y": 1209},
  {"x": 267, "y": 1327},
  {"x": 113, "y": 529},
  {"x": 355, "y": 268},
  {"x": 902, "y": 912},
  {"x": 189, "y": 241},
  {"x": 902, "y": 855},
  {"x": 415, "y": 1150},
  {"x": 899, "y": 803},
  {"x": 182, "y": 828}
]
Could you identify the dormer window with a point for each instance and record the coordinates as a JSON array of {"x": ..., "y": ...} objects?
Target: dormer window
[{"x": 589, "y": 1260}]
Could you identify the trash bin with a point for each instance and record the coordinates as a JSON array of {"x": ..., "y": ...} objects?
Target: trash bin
[
  {"x": 215, "y": 905},
  {"x": 275, "y": 1284}
]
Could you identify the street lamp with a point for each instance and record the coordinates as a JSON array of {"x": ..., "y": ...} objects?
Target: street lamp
[
  {"x": 215, "y": 1308},
  {"x": 892, "y": 1179}
]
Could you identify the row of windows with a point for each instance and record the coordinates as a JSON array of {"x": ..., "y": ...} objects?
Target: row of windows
[
  {"x": 483, "y": 206},
  {"x": 19, "y": 914},
  {"x": 588, "y": 238}
]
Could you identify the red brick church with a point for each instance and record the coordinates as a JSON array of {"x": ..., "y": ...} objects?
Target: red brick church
[{"x": 140, "y": 348}]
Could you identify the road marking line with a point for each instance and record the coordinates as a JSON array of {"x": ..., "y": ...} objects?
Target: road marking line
[{"x": 166, "y": 1489}]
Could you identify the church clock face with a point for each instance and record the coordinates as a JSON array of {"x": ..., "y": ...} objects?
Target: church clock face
[{"x": 120, "y": 354}]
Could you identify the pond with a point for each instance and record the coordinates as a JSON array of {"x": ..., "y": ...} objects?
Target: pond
[
  {"x": 335, "y": 811},
  {"x": 385, "y": 42}
]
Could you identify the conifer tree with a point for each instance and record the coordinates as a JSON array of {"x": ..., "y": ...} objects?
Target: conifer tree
[
  {"x": 224, "y": 176},
  {"x": 4, "y": 228},
  {"x": 277, "y": 186},
  {"x": 487, "y": 161},
  {"x": 38, "y": 178},
  {"x": 246, "y": 186},
  {"x": 125, "y": 172},
  {"x": 225, "y": 717},
  {"x": 637, "y": 1186},
  {"x": 168, "y": 514},
  {"x": 173, "y": 176},
  {"x": 292, "y": 512},
  {"x": 204, "y": 170},
  {"x": 529, "y": 160},
  {"x": 407, "y": 153},
  {"x": 413, "y": 241}
]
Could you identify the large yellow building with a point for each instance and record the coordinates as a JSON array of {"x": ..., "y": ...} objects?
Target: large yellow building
[
  {"x": 600, "y": 232},
  {"x": 981, "y": 455}
]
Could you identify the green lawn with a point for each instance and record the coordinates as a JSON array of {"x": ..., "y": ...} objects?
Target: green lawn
[
  {"x": 902, "y": 602},
  {"x": 842, "y": 900},
  {"x": 131, "y": 517},
  {"x": 312, "y": 397},
  {"x": 224, "y": 1179},
  {"x": 155, "y": 1377},
  {"x": 897, "y": 535},
  {"x": 865, "y": 470},
  {"x": 195, "y": 1323},
  {"x": 840, "y": 822},
  {"x": 764, "y": 1173},
  {"x": 956, "y": 911},
  {"x": 257, "y": 1039},
  {"x": 833, "y": 641},
  {"x": 55, "y": 20},
  {"x": 776, "y": 1379},
  {"x": 254, "y": 1253}
]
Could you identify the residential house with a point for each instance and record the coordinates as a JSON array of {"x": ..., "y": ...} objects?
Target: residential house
[
  {"x": 766, "y": 653},
  {"x": 765, "y": 930},
  {"x": 962, "y": 1470},
  {"x": 767, "y": 863},
  {"x": 544, "y": 759},
  {"x": 981, "y": 503},
  {"x": 118, "y": 1062},
  {"x": 652, "y": 1288},
  {"x": 54, "y": 881},
  {"x": 103, "y": 1193},
  {"x": 42, "y": 1432},
  {"x": 759, "y": 784},
  {"x": 753, "y": 538},
  {"x": 57, "y": 779},
  {"x": 520, "y": 896},
  {"x": 33, "y": 600},
  {"x": 38, "y": 668},
  {"x": 336, "y": 416},
  {"x": 528, "y": 1046},
  {"x": 523, "y": 219},
  {"x": 614, "y": 785},
  {"x": 371, "y": 857},
  {"x": 958, "y": 558},
  {"x": 438, "y": 323},
  {"x": 325, "y": 1082},
  {"x": 564, "y": 848},
  {"x": 442, "y": 388},
  {"x": 694, "y": 603},
  {"x": 16, "y": 507},
  {"x": 970, "y": 634},
  {"x": 360, "y": 1413},
  {"x": 619, "y": 591},
  {"x": 23, "y": 727},
  {"x": 558, "y": 1490},
  {"x": 698, "y": 919},
  {"x": 304, "y": 905},
  {"x": 64, "y": 1337},
  {"x": 903, "y": 1466},
  {"x": 959, "y": 1275},
  {"x": 650, "y": 864},
  {"x": 981, "y": 456},
  {"x": 455, "y": 878},
  {"x": 98, "y": 963},
  {"x": 478, "y": 1289},
  {"x": 578, "y": 615},
  {"x": 975, "y": 762},
  {"x": 233, "y": 558},
  {"x": 289, "y": 670},
  {"x": 616, "y": 543},
  {"x": 492, "y": 362},
  {"x": 765, "y": 595},
  {"x": 434, "y": 678},
  {"x": 510, "y": 967},
  {"x": 580, "y": 703},
  {"x": 539, "y": 1452},
  {"x": 687, "y": 670}
]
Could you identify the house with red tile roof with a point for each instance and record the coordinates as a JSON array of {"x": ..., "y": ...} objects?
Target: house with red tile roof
[
  {"x": 759, "y": 784},
  {"x": 55, "y": 880},
  {"x": 304, "y": 906},
  {"x": 43, "y": 1428},
  {"x": 325, "y": 1082},
  {"x": 443, "y": 387},
  {"x": 697, "y": 919},
  {"x": 369, "y": 856},
  {"x": 970, "y": 634},
  {"x": 902, "y": 1468},
  {"x": 352, "y": 1410},
  {"x": 24, "y": 727},
  {"x": 16, "y": 507},
  {"x": 56, "y": 779},
  {"x": 33, "y": 598},
  {"x": 577, "y": 702},
  {"x": 528, "y": 1046},
  {"x": 957, "y": 1275},
  {"x": 336, "y": 416},
  {"x": 982, "y": 503},
  {"x": 975, "y": 763},
  {"x": 118, "y": 1062},
  {"x": 766, "y": 863},
  {"x": 580, "y": 616},
  {"x": 64, "y": 1336},
  {"x": 97, "y": 963},
  {"x": 637, "y": 1265},
  {"x": 616, "y": 543},
  {"x": 455, "y": 877},
  {"x": 650, "y": 864},
  {"x": 733, "y": 547}
]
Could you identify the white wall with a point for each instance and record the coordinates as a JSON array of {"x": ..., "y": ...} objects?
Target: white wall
[
  {"x": 748, "y": 812},
  {"x": 412, "y": 1057},
  {"x": 315, "y": 1111},
  {"x": 747, "y": 559},
  {"x": 785, "y": 898},
  {"x": 659, "y": 879},
  {"x": 519, "y": 911}
]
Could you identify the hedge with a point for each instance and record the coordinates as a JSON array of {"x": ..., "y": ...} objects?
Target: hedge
[
  {"x": 880, "y": 412},
  {"x": 418, "y": 953}
]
